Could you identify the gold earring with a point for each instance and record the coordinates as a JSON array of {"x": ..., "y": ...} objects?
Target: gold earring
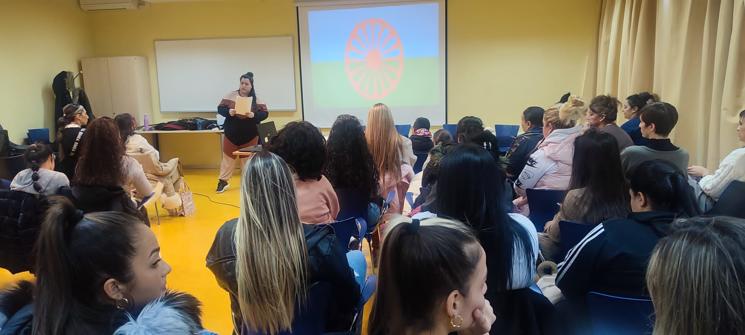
[
  {"x": 456, "y": 322},
  {"x": 122, "y": 303}
]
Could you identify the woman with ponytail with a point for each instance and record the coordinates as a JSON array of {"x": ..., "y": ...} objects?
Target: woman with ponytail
[
  {"x": 613, "y": 257},
  {"x": 40, "y": 177},
  {"x": 98, "y": 273},
  {"x": 70, "y": 137}
]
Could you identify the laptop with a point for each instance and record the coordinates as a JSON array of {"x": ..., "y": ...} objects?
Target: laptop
[{"x": 267, "y": 130}]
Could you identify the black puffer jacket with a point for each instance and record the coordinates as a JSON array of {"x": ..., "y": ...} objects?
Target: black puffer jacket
[
  {"x": 327, "y": 263},
  {"x": 21, "y": 214}
]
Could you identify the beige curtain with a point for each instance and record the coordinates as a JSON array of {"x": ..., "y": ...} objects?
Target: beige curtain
[{"x": 690, "y": 52}]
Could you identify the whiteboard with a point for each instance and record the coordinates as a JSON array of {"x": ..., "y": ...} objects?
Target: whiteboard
[{"x": 194, "y": 75}]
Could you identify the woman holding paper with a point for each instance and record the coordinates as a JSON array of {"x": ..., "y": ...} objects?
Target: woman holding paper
[{"x": 242, "y": 115}]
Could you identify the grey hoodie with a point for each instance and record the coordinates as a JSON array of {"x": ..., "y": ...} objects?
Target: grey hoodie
[{"x": 49, "y": 180}]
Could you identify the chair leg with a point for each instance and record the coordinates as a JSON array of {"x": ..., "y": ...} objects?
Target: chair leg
[{"x": 157, "y": 212}]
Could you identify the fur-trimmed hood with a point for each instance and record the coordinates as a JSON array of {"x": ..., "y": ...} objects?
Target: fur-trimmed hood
[{"x": 174, "y": 313}]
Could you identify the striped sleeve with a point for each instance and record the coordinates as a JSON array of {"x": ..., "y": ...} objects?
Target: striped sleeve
[{"x": 575, "y": 273}]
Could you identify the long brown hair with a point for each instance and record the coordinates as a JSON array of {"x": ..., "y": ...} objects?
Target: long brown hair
[
  {"x": 696, "y": 278},
  {"x": 271, "y": 255},
  {"x": 101, "y": 153},
  {"x": 384, "y": 142},
  {"x": 420, "y": 264}
]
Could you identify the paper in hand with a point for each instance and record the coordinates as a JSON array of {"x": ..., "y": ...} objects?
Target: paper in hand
[{"x": 243, "y": 105}]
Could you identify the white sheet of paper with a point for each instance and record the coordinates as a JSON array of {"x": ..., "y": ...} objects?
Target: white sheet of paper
[{"x": 243, "y": 105}]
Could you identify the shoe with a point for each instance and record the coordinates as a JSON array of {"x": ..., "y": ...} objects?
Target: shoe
[{"x": 222, "y": 186}]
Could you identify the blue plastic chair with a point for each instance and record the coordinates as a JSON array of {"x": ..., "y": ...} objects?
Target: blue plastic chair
[
  {"x": 358, "y": 263},
  {"x": 310, "y": 318},
  {"x": 571, "y": 234},
  {"x": 505, "y": 136},
  {"x": 4, "y": 184},
  {"x": 347, "y": 233},
  {"x": 403, "y": 129},
  {"x": 616, "y": 315},
  {"x": 452, "y": 129},
  {"x": 421, "y": 157},
  {"x": 38, "y": 135},
  {"x": 544, "y": 204}
]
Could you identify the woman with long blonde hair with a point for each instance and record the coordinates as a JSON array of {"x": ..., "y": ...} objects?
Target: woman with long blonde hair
[
  {"x": 390, "y": 151},
  {"x": 695, "y": 278},
  {"x": 267, "y": 259}
]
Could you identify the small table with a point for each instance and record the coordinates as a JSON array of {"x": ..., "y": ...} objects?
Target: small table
[{"x": 156, "y": 134}]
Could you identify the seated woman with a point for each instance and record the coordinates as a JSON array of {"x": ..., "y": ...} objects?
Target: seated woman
[
  {"x": 22, "y": 207},
  {"x": 468, "y": 189},
  {"x": 350, "y": 167},
  {"x": 302, "y": 146},
  {"x": 40, "y": 177},
  {"x": 550, "y": 165},
  {"x": 421, "y": 138},
  {"x": 70, "y": 135},
  {"x": 167, "y": 173},
  {"x": 471, "y": 130},
  {"x": 267, "y": 259},
  {"x": 432, "y": 281},
  {"x": 602, "y": 114},
  {"x": 105, "y": 176},
  {"x": 613, "y": 257},
  {"x": 98, "y": 273},
  {"x": 732, "y": 168},
  {"x": 632, "y": 107},
  {"x": 392, "y": 154},
  {"x": 597, "y": 191},
  {"x": 695, "y": 278}
]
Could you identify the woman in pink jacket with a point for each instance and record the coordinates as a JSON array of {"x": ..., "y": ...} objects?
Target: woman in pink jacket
[{"x": 550, "y": 165}]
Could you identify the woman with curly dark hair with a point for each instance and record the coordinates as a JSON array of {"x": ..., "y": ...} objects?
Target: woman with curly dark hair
[
  {"x": 350, "y": 167},
  {"x": 104, "y": 174},
  {"x": 302, "y": 146}
]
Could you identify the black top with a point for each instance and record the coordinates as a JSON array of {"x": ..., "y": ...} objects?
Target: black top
[
  {"x": 613, "y": 257},
  {"x": 68, "y": 159},
  {"x": 520, "y": 150},
  {"x": 241, "y": 130}
]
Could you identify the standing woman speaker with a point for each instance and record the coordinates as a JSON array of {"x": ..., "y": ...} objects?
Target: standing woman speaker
[{"x": 240, "y": 130}]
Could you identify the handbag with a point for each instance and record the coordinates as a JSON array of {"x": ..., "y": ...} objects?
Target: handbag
[{"x": 188, "y": 207}]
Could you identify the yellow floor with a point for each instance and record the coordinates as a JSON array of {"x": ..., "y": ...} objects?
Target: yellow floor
[{"x": 184, "y": 243}]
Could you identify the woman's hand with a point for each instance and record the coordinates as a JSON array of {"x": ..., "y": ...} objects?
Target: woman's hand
[
  {"x": 483, "y": 318},
  {"x": 698, "y": 171},
  {"x": 231, "y": 112}
]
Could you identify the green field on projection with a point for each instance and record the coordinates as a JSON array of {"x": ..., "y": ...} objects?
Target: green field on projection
[{"x": 419, "y": 86}]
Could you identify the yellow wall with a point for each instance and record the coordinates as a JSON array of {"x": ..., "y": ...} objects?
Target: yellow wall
[
  {"x": 506, "y": 55},
  {"x": 503, "y": 55},
  {"x": 38, "y": 39}
]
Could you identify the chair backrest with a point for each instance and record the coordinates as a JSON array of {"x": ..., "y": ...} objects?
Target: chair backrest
[
  {"x": 403, "y": 129},
  {"x": 571, "y": 234},
  {"x": 345, "y": 230},
  {"x": 352, "y": 203},
  {"x": 544, "y": 204},
  {"x": 611, "y": 314},
  {"x": 507, "y": 130},
  {"x": 310, "y": 318},
  {"x": 730, "y": 202},
  {"x": 452, "y": 129},
  {"x": 266, "y": 130},
  {"x": 38, "y": 135},
  {"x": 11, "y": 165},
  {"x": 421, "y": 157}
]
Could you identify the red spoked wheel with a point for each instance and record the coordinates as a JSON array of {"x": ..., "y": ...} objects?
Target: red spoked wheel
[{"x": 374, "y": 59}]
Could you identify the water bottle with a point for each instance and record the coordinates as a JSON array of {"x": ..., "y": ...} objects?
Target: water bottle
[{"x": 146, "y": 122}]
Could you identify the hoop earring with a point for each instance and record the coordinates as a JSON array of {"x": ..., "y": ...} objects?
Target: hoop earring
[
  {"x": 123, "y": 303},
  {"x": 456, "y": 322}
]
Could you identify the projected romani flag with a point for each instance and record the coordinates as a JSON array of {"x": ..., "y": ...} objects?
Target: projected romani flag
[{"x": 367, "y": 55}]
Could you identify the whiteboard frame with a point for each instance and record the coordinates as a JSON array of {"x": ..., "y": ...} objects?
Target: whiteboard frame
[{"x": 294, "y": 57}]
